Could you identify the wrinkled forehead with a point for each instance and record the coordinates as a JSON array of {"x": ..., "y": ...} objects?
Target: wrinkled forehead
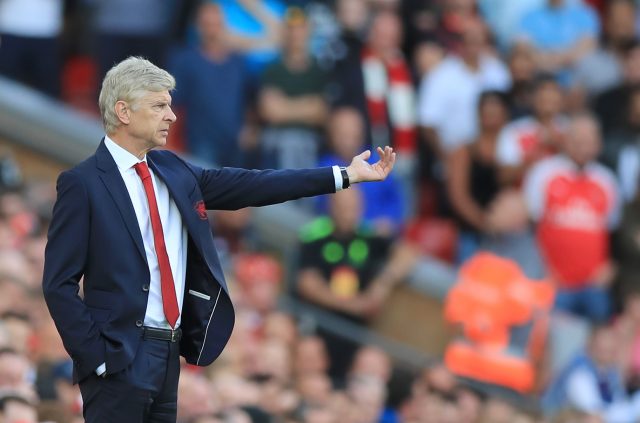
[{"x": 150, "y": 97}]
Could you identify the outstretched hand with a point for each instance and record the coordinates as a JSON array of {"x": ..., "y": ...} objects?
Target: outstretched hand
[{"x": 361, "y": 171}]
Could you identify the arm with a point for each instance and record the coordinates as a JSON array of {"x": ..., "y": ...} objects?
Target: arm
[
  {"x": 314, "y": 288},
  {"x": 65, "y": 259},
  {"x": 232, "y": 189},
  {"x": 459, "y": 190},
  {"x": 552, "y": 61},
  {"x": 277, "y": 108}
]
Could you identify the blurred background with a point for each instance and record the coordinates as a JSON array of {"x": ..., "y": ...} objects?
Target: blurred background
[{"x": 493, "y": 278}]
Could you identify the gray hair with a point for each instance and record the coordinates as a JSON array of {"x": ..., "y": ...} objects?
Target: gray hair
[{"x": 128, "y": 81}]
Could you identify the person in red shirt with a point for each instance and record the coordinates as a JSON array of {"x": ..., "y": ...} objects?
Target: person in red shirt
[{"x": 575, "y": 202}]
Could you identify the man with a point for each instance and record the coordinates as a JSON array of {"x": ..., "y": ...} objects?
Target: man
[
  {"x": 291, "y": 100},
  {"x": 383, "y": 203},
  {"x": 348, "y": 270},
  {"x": 214, "y": 91},
  {"x": 528, "y": 139},
  {"x": 30, "y": 51},
  {"x": 456, "y": 84},
  {"x": 575, "y": 202},
  {"x": 562, "y": 32},
  {"x": 133, "y": 223},
  {"x": 592, "y": 383}
]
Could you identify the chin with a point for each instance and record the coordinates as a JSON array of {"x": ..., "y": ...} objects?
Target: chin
[{"x": 160, "y": 142}]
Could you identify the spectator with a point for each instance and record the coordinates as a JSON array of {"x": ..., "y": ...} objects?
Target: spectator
[
  {"x": 575, "y": 202},
  {"x": 531, "y": 138},
  {"x": 16, "y": 408},
  {"x": 292, "y": 102},
  {"x": 30, "y": 50},
  {"x": 16, "y": 373},
  {"x": 504, "y": 17},
  {"x": 612, "y": 104},
  {"x": 213, "y": 92},
  {"x": 562, "y": 32},
  {"x": 195, "y": 397},
  {"x": 455, "y": 16},
  {"x": 523, "y": 72},
  {"x": 310, "y": 356},
  {"x": 124, "y": 28},
  {"x": 377, "y": 82},
  {"x": 347, "y": 270},
  {"x": 456, "y": 84},
  {"x": 620, "y": 150},
  {"x": 472, "y": 180},
  {"x": 593, "y": 384},
  {"x": 383, "y": 202},
  {"x": 601, "y": 69},
  {"x": 258, "y": 277}
]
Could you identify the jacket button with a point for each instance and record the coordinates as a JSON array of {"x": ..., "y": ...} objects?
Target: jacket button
[
  {"x": 139, "y": 323},
  {"x": 145, "y": 287}
]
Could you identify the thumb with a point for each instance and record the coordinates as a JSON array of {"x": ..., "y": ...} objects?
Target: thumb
[{"x": 365, "y": 155}]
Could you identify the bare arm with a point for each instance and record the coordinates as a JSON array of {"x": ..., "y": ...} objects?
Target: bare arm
[
  {"x": 277, "y": 108},
  {"x": 459, "y": 190},
  {"x": 313, "y": 287}
]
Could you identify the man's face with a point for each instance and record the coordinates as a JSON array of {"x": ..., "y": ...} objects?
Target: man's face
[
  {"x": 346, "y": 133},
  {"x": 620, "y": 22},
  {"x": 386, "y": 33},
  {"x": 211, "y": 22},
  {"x": 583, "y": 143},
  {"x": 547, "y": 100},
  {"x": 150, "y": 118},
  {"x": 296, "y": 35}
]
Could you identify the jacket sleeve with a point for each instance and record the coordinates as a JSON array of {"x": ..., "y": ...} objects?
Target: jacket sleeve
[
  {"x": 65, "y": 259},
  {"x": 232, "y": 189}
]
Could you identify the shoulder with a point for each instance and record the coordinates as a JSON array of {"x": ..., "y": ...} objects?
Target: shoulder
[
  {"x": 603, "y": 174},
  {"x": 547, "y": 170}
]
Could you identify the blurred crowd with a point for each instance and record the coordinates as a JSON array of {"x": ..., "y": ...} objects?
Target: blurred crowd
[{"x": 515, "y": 199}]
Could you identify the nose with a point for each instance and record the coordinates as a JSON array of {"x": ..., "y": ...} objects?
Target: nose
[{"x": 171, "y": 116}]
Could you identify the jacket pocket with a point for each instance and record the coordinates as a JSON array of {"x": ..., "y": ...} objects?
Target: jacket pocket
[{"x": 199, "y": 295}]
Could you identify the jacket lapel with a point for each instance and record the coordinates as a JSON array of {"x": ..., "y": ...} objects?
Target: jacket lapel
[
  {"x": 112, "y": 180},
  {"x": 198, "y": 228}
]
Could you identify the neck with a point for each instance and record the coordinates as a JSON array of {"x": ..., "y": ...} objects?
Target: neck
[
  {"x": 214, "y": 49},
  {"x": 472, "y": 62},
  {"x": 131, "y": 145}
]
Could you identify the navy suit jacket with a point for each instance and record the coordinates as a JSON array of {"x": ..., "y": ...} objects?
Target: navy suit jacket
[{"x": 94, "y": 234}]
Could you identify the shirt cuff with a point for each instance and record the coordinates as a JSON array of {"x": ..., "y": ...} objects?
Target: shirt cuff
[
  {"x": 101, "y": 369},
  {"x": 337, "y": 176}
]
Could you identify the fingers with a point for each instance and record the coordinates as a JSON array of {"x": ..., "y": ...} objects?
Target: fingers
[{"x": 365, "y": 155}]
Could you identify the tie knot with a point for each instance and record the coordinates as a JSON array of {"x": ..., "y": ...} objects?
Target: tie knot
[{"x": 142, "y": 170}]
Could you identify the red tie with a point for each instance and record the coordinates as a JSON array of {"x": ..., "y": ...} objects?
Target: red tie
[{"x": 169, "y": 301}]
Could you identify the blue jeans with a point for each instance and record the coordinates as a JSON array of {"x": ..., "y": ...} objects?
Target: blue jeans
[{"x": 591, "y": 302}]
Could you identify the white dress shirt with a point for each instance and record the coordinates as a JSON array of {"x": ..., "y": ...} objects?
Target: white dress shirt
[{"x": 175, "y": 233}]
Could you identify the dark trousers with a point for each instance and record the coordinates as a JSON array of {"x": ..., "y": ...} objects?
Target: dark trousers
[
  {"x": 145, "y": 392},
  {"x": 33, "y": 61}
]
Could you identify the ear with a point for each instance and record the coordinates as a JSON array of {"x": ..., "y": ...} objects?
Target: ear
[{"x": 122, "y": 110}]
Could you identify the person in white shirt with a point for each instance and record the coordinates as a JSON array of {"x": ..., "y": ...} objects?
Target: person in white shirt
[
  {"x": 449, "y": 94},
  {"x": 29, "y": 46}
]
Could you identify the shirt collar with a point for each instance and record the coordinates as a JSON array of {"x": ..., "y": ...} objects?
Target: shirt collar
[{"x": 124, "y": 159}]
